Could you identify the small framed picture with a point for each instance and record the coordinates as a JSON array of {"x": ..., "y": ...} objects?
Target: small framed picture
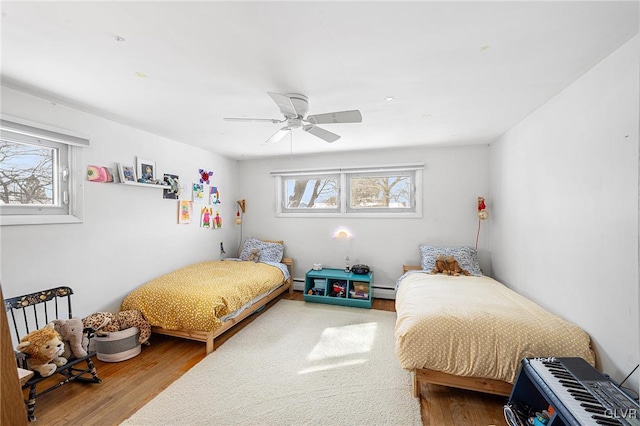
[
  {"x": 127, "y": 173},
  {"x": 146, "y": 169}
]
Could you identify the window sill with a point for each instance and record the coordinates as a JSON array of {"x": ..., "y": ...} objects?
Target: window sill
[{"x": 38, "y": 220}]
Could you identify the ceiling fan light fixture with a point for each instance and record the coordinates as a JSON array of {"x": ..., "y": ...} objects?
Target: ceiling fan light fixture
[{"x": 294, "y": 107}]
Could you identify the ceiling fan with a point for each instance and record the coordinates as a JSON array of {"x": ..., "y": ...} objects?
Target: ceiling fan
[{"x": 294, "y": 107}]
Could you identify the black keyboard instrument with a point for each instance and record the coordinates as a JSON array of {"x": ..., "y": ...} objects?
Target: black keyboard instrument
[{"x": 577, "y": 393}]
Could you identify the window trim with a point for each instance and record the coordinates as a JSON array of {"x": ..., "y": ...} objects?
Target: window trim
[
  {"x": 24, "y": 128},
  {"x": 345, "y": 210}
]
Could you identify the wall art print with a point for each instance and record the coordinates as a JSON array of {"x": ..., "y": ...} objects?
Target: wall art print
[
  {"x": 184, "y": 212},
  {"x": 173, "y": 192},
  {"x": 206, "y": 217},
  {"x": 214, "y": 195},
  {"x": 198, "y": 193}
]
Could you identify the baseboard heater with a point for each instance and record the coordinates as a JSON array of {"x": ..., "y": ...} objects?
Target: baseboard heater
[{"x": 384, "y": 292}]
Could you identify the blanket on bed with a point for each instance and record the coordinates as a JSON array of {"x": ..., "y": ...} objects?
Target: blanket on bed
[
  {"x": 195, "y": 297},
  {"x": 477, "y": 327}
]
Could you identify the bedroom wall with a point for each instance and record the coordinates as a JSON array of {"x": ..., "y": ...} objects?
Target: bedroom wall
[
  {"x": 130, "y": 234},
  {"x": 453, "y": 179},
  {"x": 564, "y": 229}
]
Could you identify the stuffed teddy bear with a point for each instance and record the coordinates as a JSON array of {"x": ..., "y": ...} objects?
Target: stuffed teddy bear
[
  {"x": 106, "y": 322},
  {"x": 440, "y": 266},
  {"x": 254, "y": 256},
  {"x": 72, "y": 335},
  {"x": 454, "y": 267},
  {"x": 44, "y": 348}
]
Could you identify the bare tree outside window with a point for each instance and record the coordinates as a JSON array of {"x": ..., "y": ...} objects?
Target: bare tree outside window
[
  {"x": 312, "y": 193},
  {"x": 26, "y": 174},
  {"x": 381, "y": 191}
]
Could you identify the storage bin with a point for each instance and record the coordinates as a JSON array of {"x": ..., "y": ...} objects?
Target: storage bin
[{"x": 118, "y": 345}]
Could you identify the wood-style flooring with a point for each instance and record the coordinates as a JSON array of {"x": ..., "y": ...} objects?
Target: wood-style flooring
[{"x": 129, "y": 385}]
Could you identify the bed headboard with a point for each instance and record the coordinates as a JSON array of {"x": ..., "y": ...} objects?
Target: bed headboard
[{"x": 407, "y": 268}]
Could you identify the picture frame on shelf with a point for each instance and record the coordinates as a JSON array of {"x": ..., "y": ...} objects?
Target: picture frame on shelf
[
  {"x": 146, "y": 170},
  {"x": 127, "y": 173}
]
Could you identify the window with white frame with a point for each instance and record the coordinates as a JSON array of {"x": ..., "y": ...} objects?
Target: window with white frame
[
  {"x": 381, "y": 191},
  {"x": 40, "y": 174}
]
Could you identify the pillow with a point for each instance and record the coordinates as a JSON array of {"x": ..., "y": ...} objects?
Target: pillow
[
  {"x": 467, "y": 257},
  {"x": 268, "y": 252}
]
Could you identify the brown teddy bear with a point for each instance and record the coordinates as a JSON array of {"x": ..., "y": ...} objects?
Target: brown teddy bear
[
  {"x": 453, "y": 267},
  {"x": 44, "y": 348},
  {"x": 72, "y": 335},
  {"x": 254, "y": 256},
  {"x": 440, "y": 266}
]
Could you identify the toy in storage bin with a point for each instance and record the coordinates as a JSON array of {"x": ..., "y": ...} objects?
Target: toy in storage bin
[{"x": 118, "y": 345}]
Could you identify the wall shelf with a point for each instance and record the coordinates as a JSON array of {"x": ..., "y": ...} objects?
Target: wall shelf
[{"x": 146, "y": 185}]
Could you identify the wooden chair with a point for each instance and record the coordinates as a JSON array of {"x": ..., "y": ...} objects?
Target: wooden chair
[{"x": 33, "y": 311}]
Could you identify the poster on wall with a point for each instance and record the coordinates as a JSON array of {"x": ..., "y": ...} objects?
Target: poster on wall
[
  {"x": 185, "y": 192},
  {"x": 205, "y": 217},
  {"x": 198, "y": 193},
  {"x": 184, "y": 212},
  {"x": 214, "y": 195},
  {"x": 217, "y": 221},
  {"x": 173, "y": 192}
]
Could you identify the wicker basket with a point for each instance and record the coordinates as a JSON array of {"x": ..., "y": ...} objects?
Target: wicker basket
[{"x": 118, "y": 345}]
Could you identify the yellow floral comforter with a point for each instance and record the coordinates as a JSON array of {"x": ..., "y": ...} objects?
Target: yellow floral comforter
[
  {"x": 477, "y": 327},
  {"x": 195, "y": 297}
]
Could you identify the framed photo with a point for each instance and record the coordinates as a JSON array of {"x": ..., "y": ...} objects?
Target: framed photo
[
  {"x": 146, "y": 169},
  {"x": 126, "y": 173}
]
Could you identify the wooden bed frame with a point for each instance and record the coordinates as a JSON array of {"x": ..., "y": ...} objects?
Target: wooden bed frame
[
  {"x": 424, "y": 375},
  {"x": 209, "y": 336}
]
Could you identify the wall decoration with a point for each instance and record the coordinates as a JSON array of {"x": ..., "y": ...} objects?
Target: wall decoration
[
  {"x": 173, "y": 192},
  {"x": 146, "y": 170},
  {"x": 204, "y": 176},
  {"x": 99, "y": 174},
  {"x": 126, "y": 173},
  {"x": 198, "y": 192},
  {"x": 206, "y": 217},
  {"x": 184, "y": 212},
  {"x": 217, "y": 221},
  {"x": 186, "y": 191},
  {"x": 214, "y": 195}
]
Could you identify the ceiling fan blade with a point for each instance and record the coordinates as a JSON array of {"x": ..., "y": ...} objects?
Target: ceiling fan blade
[
  {"x": 285, "y": 104},
  {"x": 321, "y": 133},
  {"x": 268, "y": 120},
  {"x": 278, "y": 136},
  {"x": 352, "y": 116}
]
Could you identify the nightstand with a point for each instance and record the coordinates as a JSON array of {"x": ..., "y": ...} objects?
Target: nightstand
[{"x": 337, "y": 287}]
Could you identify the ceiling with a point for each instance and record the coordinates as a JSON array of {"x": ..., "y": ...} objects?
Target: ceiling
[{"x": 458, "y": 72}]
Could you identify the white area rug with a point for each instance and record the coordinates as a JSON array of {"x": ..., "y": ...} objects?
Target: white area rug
[{"x": 298, "y": 364}]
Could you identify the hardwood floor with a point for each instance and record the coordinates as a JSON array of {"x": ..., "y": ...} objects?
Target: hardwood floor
[{"x": 129, "y": 385}]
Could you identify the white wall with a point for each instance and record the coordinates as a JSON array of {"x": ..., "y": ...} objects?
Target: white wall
[
  {"x": 564, "y": 229},
  {"x": 453, "y": 179},
  {"x": 130, "y": 234}
]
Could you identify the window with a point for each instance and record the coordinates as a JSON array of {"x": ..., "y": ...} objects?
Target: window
[
  {"x": 388, "y": 191},
  {"x": 40, "y": 174},
  {"x": 311, "y": 193}
]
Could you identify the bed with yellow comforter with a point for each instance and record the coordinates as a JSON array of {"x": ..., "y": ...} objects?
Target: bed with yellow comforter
[
  {"x": 453, "y": 328},
  {"x": 199, "y": 301}
]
